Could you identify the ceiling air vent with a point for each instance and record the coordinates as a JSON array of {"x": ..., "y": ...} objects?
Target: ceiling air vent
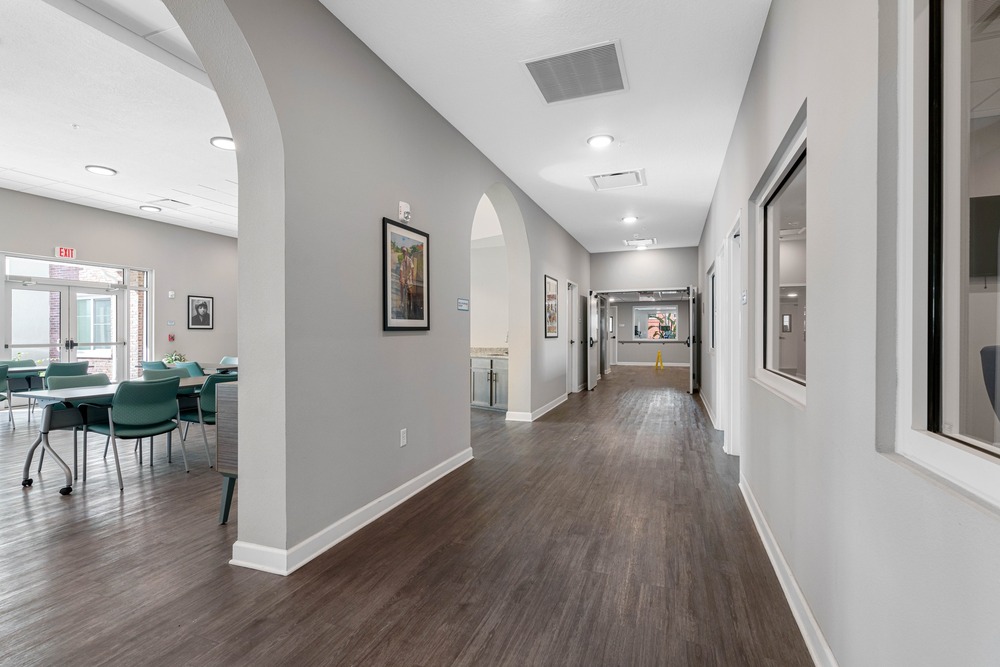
[
  {"x": 639, "y": 243},
  {"x": 619, "y": 179},
  {"x": 595, "y": 70},
  {"x": 169, "y": 203}
]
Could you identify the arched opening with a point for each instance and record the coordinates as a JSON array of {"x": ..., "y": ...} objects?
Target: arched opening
[{"x": 500, "y": 245}]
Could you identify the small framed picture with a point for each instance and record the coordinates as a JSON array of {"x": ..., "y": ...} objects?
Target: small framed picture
[
  {"x": 551, "y": 307},
  {"x": 201, "y": 312},
  {"x": 405, "y": 278}
]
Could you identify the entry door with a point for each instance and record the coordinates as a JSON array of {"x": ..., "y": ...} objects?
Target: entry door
[
  {"x": 50, "y": 323},
  {"x": 602, "y": 307},
  {"x": 593, "y": 341},
  {"x": 694, "y": 340}
]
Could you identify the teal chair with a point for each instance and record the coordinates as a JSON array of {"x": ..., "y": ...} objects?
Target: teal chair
[
  {"x": 23, "y": 382},
  {"x": 92, "y": 412},
  {"x": 5, "y": 393},
  {"x": 163, "y": 373},
  {"x": 153, "y": 366},
  {"x": 142, "y": 409},
  {"x": 193, "y": 367},
  {"x": 201, "y": 409},
  {"x": 230, "y": 360},
  {"x": 65, "y": 369}
]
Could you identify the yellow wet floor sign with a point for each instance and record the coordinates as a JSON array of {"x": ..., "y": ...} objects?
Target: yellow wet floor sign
[{"x": 659, "y": 360}]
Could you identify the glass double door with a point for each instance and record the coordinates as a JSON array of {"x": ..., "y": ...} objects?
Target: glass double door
[{"x": 67, "y": 323}]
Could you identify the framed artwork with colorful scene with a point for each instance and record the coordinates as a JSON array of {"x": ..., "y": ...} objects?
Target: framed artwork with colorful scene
[
  {"x": 405, "y": 278},
  {"x": 551, "y": 307}
]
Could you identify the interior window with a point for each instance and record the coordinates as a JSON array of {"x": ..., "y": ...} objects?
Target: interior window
[
  {"x": 654, "y": 323},
  {"x": 965, "y": 220},
  {"x": 785, "y": 276}
]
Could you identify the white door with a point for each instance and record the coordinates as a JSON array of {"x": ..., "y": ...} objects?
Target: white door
[
  {"x": 694, "y": 339},
  {"x": 593, "y": 342},
  {"x": 613, "y": 335}
]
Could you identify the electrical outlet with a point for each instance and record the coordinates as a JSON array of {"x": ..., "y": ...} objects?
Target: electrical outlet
[{"x": 402, "y": 437}]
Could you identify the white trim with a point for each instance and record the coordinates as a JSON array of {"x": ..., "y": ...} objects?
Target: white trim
[
  {"x": 677, "y": 364},
  {"x": 582, "y": 386},
  {"x": 818, "y": 647},
  {"x": 711, "y": 414},
  {"x": 532, "y": 416},
  {"x": 962, "y": 469},
  {"x": 286, "y": 561},
  {"x": 791, "y": 149}
]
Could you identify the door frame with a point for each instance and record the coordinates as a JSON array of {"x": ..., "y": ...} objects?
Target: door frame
[
  {"x": 613, "y": 326},
  {"x": 733, "y": 339},
  {"x": 593, "y": 341},
  {"x": 572, "y": 339}
]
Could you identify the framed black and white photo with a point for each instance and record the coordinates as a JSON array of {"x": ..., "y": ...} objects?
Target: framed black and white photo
[
  {"x": 201, "y": 312},
  {"x": 405, "y": 278}
]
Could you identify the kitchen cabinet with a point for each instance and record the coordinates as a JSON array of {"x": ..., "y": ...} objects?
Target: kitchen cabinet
[{"x": 488, "y": 382}]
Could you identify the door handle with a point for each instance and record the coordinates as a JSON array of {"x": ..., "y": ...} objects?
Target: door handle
[
  {"x": 688, "y": 341},
  {"x": 592, "y": 342},
  {"x": 572, "y": 342}
]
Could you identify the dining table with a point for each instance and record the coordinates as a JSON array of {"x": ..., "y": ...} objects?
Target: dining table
[{"x": 71, "y": 417}]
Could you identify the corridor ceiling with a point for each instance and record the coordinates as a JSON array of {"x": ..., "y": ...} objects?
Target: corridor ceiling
[{"x": 125, "y": 89}]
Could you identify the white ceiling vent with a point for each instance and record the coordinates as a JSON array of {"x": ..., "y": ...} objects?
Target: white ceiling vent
[
  {"x": 639, "y": 243},
  {"x": 169, "y": 203},
  {"x": 619, "y": 179},
  {"x": 595, "y": 70}
]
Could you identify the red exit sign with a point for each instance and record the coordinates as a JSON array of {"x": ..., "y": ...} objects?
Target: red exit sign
[{"x": 66, "y": 253}]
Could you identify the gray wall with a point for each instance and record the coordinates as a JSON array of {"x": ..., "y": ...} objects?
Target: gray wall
[
  {"x": 352, "y": 140},
  {"x": 649, "y": 269},
  {"x": 896, "y": 567},
  {"x": 673, "y": 352},
  {"x": 183, "y": 260}
]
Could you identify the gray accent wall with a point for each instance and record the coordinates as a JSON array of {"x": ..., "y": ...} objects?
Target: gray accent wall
[
  {"x": 183, "y": 260},
  {"x": 648, "y": 269},
  {"x": 896, "y": 567},
  {"x": 352, "y": 140},
  {"x": 673, "y": 352}
]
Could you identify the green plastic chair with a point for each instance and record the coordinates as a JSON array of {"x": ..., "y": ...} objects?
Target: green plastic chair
[
  {"x": 193, "y": 367},
  {"x": 142, "y": 409},
  {"x": 229, "y": 360},
  {"x": 163, "y": 373},
  {"x": 202, "y": 409},
  {"x": 64, "y": 369},
  {"x": 153, "y": 365},
  {"x": 5, "y": 391},
  {"x": 94, "y": 411},
  {"x": 24, "y": 382}
]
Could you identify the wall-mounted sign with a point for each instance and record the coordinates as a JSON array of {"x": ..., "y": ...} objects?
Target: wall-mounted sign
[
  {"x": 65, "y": 253},
  {"x": 463, "y": 304}
]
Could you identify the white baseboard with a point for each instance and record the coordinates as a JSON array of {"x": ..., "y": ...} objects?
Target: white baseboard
[
  {"x": 675, "y": 364},
  {"x": 711, "y": 413},
  {"x": 820, "y": 651},
  {"x": 286, "y": 561},
  {"x": 532, "y": 416},
  {"x": 582, "y": 387}
]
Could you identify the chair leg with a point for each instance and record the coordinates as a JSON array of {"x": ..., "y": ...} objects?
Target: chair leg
[
  {"x": 204, "y": 436},
  {"x": 41, "y": 457},
  {"x": 187, "y": 425},
  {"x": 118, "y": 466},
  {"x": 85, "y": 453},
  {"x": 107, "y": 443},
  {"x": 183, "y": 451},
  {"x": 75, "y": 456},
  {"x": 150, "y": 451}
]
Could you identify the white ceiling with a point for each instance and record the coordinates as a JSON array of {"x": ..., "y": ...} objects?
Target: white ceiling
[{"x": 127, "y": 77}]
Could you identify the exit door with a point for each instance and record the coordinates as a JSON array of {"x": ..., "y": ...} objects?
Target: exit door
[
  {"x": 67, "y": 323},
  {"x": 593, "y": 341},
  {"x": 694, "y": 340}
]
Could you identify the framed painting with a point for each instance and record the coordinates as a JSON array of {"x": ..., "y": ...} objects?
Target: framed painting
[
  {"x": 551, "y": 307},
  {"x": 201, "y": 312},
  {"x": 405, "y": 278}
]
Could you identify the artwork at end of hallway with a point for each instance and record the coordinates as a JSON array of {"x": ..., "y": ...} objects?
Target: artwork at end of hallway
[
  {"x": 551, "y": 307},
  {"x": 201, "y": 312},
  {"x": 405, "y": 278}
]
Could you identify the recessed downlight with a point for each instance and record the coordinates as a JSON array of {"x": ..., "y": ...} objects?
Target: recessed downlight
[
  {"x": 630, "y": 219},
  {"x": 600, "y": 141},
  {"x": 642, "y": 247},
  {"x": 150, "y": 209},
  {"x": 792, "y": 295},
  {"x": 99, "y": 170},
  {"x": 225, "y": 143}
]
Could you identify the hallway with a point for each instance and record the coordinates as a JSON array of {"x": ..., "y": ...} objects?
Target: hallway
[{"x": 610, "y": 532}]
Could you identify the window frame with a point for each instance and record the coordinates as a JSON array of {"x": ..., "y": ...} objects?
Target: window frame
[
  {"x": 665, "y": 308},
  {"x": 921, "y": 63},
  {"x": 784, "y": 163}
]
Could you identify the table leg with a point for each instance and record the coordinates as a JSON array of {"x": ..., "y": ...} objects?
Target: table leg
[
  {"x": 228, "y": 485},
  {"x": 43, "y": 440}
]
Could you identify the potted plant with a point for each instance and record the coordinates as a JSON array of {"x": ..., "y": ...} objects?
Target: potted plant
[{"x": 174, "y": 357}]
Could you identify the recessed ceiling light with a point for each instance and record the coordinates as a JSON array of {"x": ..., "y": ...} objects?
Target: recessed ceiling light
[
  {"x": 225, "y": 143},
  {"x": 792, "y": 294},
  {"x": 642, "y": 247},
  {"x": 629, "y": 219},
  {"x": 150, "y": 209},
  {"x": 600, "y": 141},
  {"x": 99, "y": 170}
]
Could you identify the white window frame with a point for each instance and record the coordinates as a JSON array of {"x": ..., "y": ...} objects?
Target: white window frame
[
  {"x": 968, "y": 469},
  {"x": 788, "y": 389},
  {"x": 665, "y": 308}
]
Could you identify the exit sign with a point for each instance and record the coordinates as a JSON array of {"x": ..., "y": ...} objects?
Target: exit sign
[{"x": 66, "y": 253}]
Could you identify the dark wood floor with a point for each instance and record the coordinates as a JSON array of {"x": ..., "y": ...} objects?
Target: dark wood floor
[{"x": 610, "y": 532}]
